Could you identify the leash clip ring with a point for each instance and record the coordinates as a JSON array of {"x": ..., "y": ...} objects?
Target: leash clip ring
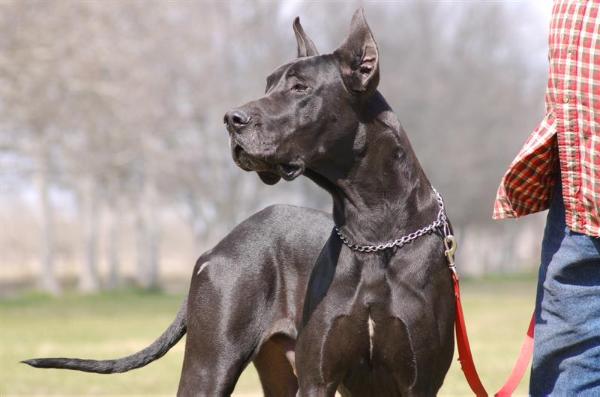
[{"x": 450, "y": 245}]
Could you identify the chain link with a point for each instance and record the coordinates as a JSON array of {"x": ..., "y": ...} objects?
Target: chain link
[{"x": 440, "y": 222}]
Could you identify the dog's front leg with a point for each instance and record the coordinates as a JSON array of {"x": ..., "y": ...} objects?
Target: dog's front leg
[{"x": 327, "y": 346}]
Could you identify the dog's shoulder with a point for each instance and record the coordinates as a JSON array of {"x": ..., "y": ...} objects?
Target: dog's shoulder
[
  {"x": 295, "y": 221},
  {"x": 282, "y": 211}
]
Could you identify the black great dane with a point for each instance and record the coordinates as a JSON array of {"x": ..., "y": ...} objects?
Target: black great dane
[
  {"x": 244, "y": 305},
  {"x": 379, "y": 313},
  {"x": 365, "y": 323}
]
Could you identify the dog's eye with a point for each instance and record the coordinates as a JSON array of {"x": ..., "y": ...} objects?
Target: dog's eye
[{"x": 299, "y": 87}]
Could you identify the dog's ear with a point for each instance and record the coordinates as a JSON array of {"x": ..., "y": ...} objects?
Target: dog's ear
[
  {"x": 306, "y": 47},
  {"x": 268, "y": 177},
  {"x": 359, "y": 57}
]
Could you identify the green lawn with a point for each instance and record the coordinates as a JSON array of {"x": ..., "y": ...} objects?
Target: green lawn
[{"x": 110, "y": 325}]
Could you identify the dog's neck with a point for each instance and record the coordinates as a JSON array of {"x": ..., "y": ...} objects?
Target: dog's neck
[{"x": 379, "y": 189}]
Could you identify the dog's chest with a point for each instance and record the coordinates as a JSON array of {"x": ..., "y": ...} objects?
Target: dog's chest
[{"x": 376, "y": 274}]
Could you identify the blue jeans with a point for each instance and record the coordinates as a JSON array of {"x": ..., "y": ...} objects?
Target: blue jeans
[{"x": 566, "y": 356}]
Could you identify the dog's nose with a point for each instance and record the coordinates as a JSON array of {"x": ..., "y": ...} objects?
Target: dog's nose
[{"x": 237, "y": 119}]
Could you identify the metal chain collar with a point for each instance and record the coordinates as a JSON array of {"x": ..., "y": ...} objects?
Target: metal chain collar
[{"x": 440, "y": 222}]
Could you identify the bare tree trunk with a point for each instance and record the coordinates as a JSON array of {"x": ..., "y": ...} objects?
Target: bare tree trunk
[
  {"x": 88, "y": 275},
  {"x": 47, "y": 280},
  {"x": 112, "y": 246},
  {"x": 153, "y": 253},
  {"x": 148, "y": 238},
  {"x": 140, "y": 246}
]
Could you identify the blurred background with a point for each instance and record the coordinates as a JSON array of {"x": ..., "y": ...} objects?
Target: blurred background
[{"x": 115, "y": 168}]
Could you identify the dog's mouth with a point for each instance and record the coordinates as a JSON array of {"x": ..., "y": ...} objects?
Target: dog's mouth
[
  {"x": 241, "y": 158},
  {"x": 290, "y": 171},
  {"x": 269, "y": 173}
]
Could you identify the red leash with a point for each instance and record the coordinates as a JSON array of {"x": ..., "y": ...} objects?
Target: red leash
[
  {"x": 521, "y": 365},
  {"x": 462, "y": 340},
  {"x": 464, "y": 349}
]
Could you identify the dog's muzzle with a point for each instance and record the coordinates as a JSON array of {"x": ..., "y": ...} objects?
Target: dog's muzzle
[
  {"x": 236, "y": 120},
  {"x": 269, "y": 172}
]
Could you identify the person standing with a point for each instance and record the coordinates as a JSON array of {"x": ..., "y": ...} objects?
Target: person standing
[{"x": 558, "y": 169}]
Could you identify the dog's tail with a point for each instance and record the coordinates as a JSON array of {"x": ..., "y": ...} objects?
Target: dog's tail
[{"x": 153, "y": 352}]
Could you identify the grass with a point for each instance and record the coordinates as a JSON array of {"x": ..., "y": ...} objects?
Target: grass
[{"x": 111, "y": 325}]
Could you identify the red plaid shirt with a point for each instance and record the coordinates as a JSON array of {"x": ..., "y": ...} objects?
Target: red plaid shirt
[{"x": 570, "y": 132}]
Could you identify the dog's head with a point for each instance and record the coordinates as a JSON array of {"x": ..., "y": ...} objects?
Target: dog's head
[{"x": 309, "y": 107}]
